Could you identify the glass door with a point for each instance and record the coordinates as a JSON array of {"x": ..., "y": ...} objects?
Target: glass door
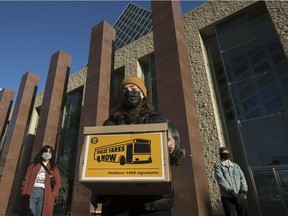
[
  {"x": 283, "y": 183},
  {"x": 271, "y": 185}
]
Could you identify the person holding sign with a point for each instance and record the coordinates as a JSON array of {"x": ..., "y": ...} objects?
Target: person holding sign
[{"x": 135, "y": 108}]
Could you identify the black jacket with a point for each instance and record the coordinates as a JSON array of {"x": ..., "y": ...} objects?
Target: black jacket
[{"x": 149, "y": 202}]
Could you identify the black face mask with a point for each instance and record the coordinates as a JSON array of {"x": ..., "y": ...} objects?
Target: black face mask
[
  {"x": 131, "y": 99},
  {"x": 224, "y": 156}
]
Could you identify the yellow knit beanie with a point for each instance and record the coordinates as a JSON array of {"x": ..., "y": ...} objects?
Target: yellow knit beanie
[{"x": 136, "y": 81}]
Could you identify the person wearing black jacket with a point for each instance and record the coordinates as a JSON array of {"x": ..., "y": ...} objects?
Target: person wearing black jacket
[{"x": 135, "y": 108}]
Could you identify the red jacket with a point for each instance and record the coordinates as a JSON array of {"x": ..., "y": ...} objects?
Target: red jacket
[{"x": 49, "y": 195}]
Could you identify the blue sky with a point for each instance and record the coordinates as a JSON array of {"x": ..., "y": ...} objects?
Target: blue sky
[{"x": 32, "y": 31}]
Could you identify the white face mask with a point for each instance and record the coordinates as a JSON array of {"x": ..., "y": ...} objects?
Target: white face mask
[{"x": 46, "y": 156}]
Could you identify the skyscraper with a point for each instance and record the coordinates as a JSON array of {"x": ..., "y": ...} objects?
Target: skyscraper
[{"x": 133, "y": 23}]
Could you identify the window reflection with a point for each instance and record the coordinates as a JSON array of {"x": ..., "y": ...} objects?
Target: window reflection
[
  {"x": 147, "y": 65},
  {"x": 68, "y": 149},
  {"x": 115, "y": 86},
  {"x": 250, "y": 72}
]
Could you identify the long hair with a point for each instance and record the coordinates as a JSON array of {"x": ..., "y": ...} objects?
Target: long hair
[
  {"x": 38, "y": 157},
  {"x": 121, "y": 113}
]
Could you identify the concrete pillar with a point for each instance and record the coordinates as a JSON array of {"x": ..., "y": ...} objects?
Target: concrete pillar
[
  {"x": 173, "y": 75},
  {"x": 16, "y": 134},
  {"x": 53, "y": 101},
  {"x": 96, "y": 100},
  {"x": 6, "y": 101}
]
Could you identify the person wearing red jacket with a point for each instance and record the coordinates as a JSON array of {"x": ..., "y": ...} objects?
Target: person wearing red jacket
[{"x": 37, "y": 194}]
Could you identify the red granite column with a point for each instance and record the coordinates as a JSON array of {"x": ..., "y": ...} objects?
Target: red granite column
[
  {"x": 96, "y": 100},
  {"x": 174, "y": 79},
  {"x": 15, "y": 135},
  {"x": 52, "y": 105},
  {"x": 6, "y": 101}
]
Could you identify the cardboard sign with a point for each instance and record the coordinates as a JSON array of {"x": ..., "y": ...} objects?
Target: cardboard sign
[{"x": 129, "y": 159}]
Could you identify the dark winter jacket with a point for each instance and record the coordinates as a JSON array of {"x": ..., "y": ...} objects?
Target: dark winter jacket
[{"x": 151, "y": 202}]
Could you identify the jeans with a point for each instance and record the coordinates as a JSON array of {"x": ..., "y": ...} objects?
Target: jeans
[{"x": 36, "y": 202}]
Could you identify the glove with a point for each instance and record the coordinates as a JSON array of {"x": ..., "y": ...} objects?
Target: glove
[{"x": 241, "y": 197}]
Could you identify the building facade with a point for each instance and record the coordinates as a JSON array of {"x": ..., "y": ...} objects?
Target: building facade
[{"x": 234, "y": 61}]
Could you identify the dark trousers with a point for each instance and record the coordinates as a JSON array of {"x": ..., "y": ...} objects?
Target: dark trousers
[
  {"x": 134, "y": 212},
  {"x": 230, "y": 206},
  {"x": 129, "y": 206}
]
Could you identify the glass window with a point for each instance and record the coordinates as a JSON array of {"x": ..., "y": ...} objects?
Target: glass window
[
  {"x": 251, "y": 103},
  {"x": 256, "y": 114},
  {"x": 246, "y": 50},
  {"x": 265, "y": 80},
  {"x": 146, "y": 31},
  {"x": 148, "y": 15},
  {"x": 233, "y": 32},
  {"x": 274, "y": 106},
  {"x": 147, "y": 65},
  {"x": 68, "y": 149},
  {"x": 241, "y": 70},
  {"x": 115, "y": 87},
  {"x": 269, "y": 93},
  {"x": 252, "y": 63},
  {"x": 238, "y": 59},
  {"x": 256, "y": 59},
  {"x": 262, "y": 68},
  {"x": 247, "y": 91}
]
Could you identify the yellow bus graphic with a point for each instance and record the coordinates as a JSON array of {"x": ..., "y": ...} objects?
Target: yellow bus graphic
[{"x": 133, "y": 151}]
